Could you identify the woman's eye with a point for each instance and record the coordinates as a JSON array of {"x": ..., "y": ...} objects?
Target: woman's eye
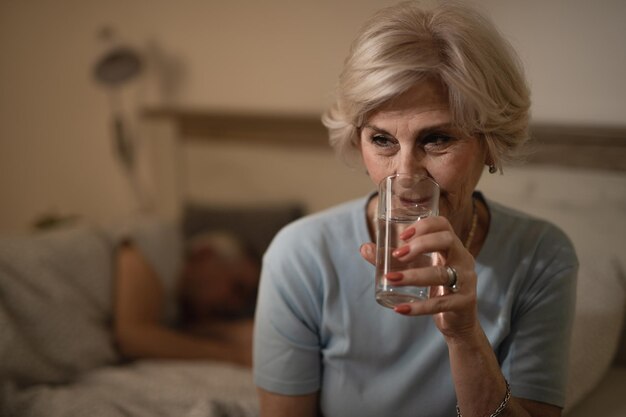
[
  {"x": 437, "y": 141},
  {"x": 382, "y": 141}
]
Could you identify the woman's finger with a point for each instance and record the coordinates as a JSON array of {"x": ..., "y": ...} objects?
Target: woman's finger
[
  {"x": 435, "y": 305},
  {"x": 441, "y": 241},
  {"x": 426, "y": 225},
  {"x": 368, "y": 252},
  {"x": 429, "y": 276}
]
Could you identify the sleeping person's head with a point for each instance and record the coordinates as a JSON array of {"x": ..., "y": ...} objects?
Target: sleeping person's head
[{"x": 219, "y": 279}]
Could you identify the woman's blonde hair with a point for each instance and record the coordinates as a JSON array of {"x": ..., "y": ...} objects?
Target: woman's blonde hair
[{"x": 404, "y": 44}]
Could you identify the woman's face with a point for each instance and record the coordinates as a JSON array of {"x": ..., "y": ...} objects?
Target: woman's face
[{"x": 414, "y": 134}]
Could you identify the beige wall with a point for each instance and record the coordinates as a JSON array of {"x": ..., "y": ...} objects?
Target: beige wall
[{"x": 277, "y": 55}]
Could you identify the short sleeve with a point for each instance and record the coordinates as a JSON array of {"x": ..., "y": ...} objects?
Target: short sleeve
[
  {"x": 535, "y": 355},
  {"x": 286, "y": 335}
]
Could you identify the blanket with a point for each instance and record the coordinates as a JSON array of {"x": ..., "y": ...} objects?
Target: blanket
[{"x": 143, "y": 389}]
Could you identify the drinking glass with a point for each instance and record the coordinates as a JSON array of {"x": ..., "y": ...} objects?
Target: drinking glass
[{"x": 404, "y": 199}]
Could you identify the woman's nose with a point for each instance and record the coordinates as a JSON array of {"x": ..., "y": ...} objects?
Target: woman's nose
[{"x": 412, "y": 163}]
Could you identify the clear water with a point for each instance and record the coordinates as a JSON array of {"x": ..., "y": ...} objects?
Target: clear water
[{"x": 388, "y": 294}]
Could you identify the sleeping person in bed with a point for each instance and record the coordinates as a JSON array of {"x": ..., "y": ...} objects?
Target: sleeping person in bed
[{"x": 215, "y": 295}]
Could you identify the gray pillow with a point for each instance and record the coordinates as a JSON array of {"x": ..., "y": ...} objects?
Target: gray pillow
[
  {"x": 55, "y": 305},
  {"x": 254, "y": 225}
]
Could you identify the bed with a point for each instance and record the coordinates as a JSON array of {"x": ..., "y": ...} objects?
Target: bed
[
  {"x": 250, "y": 174},
  {"x": 573, "y": 175}
]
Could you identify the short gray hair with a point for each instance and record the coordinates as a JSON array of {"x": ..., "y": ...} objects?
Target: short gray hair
[{"x": 404, "y": 44}]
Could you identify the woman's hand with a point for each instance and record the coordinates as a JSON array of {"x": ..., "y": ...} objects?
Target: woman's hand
[{"x": 455, "y": 313}]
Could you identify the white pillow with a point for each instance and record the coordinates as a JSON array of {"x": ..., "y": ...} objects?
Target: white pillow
[
  {"x": 600, "y": 301},
  {"x": 590, "y": 208}
]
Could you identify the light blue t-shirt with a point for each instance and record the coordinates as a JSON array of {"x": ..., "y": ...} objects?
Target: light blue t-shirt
[{"x": 318, "y": 326}]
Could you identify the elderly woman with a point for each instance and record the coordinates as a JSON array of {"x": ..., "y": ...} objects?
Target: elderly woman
[{"x": 434, "y": 92}]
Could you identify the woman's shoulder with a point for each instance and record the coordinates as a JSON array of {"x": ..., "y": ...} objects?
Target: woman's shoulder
[
  {"x": 513, "y": 218},
  {"x": 330, "y": 220},
  {"x": 343, "y": 221},
  {"x": 524, "y": 230}
]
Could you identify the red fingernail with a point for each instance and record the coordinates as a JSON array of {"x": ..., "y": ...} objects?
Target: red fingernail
[
  {"x": 407, "y": 233},
  {"x": 394, "y": 276},
  {"x": 401, "y": 251},
  {"x": 402, "y": 309}
]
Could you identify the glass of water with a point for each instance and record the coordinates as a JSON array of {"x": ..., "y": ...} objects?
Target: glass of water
[{"x": 404, "y": 199}]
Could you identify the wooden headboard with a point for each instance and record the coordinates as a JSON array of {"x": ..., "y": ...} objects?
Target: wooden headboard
[
  {"x": 584, "y": 146},
  {"x": 273, "y": 138}
]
